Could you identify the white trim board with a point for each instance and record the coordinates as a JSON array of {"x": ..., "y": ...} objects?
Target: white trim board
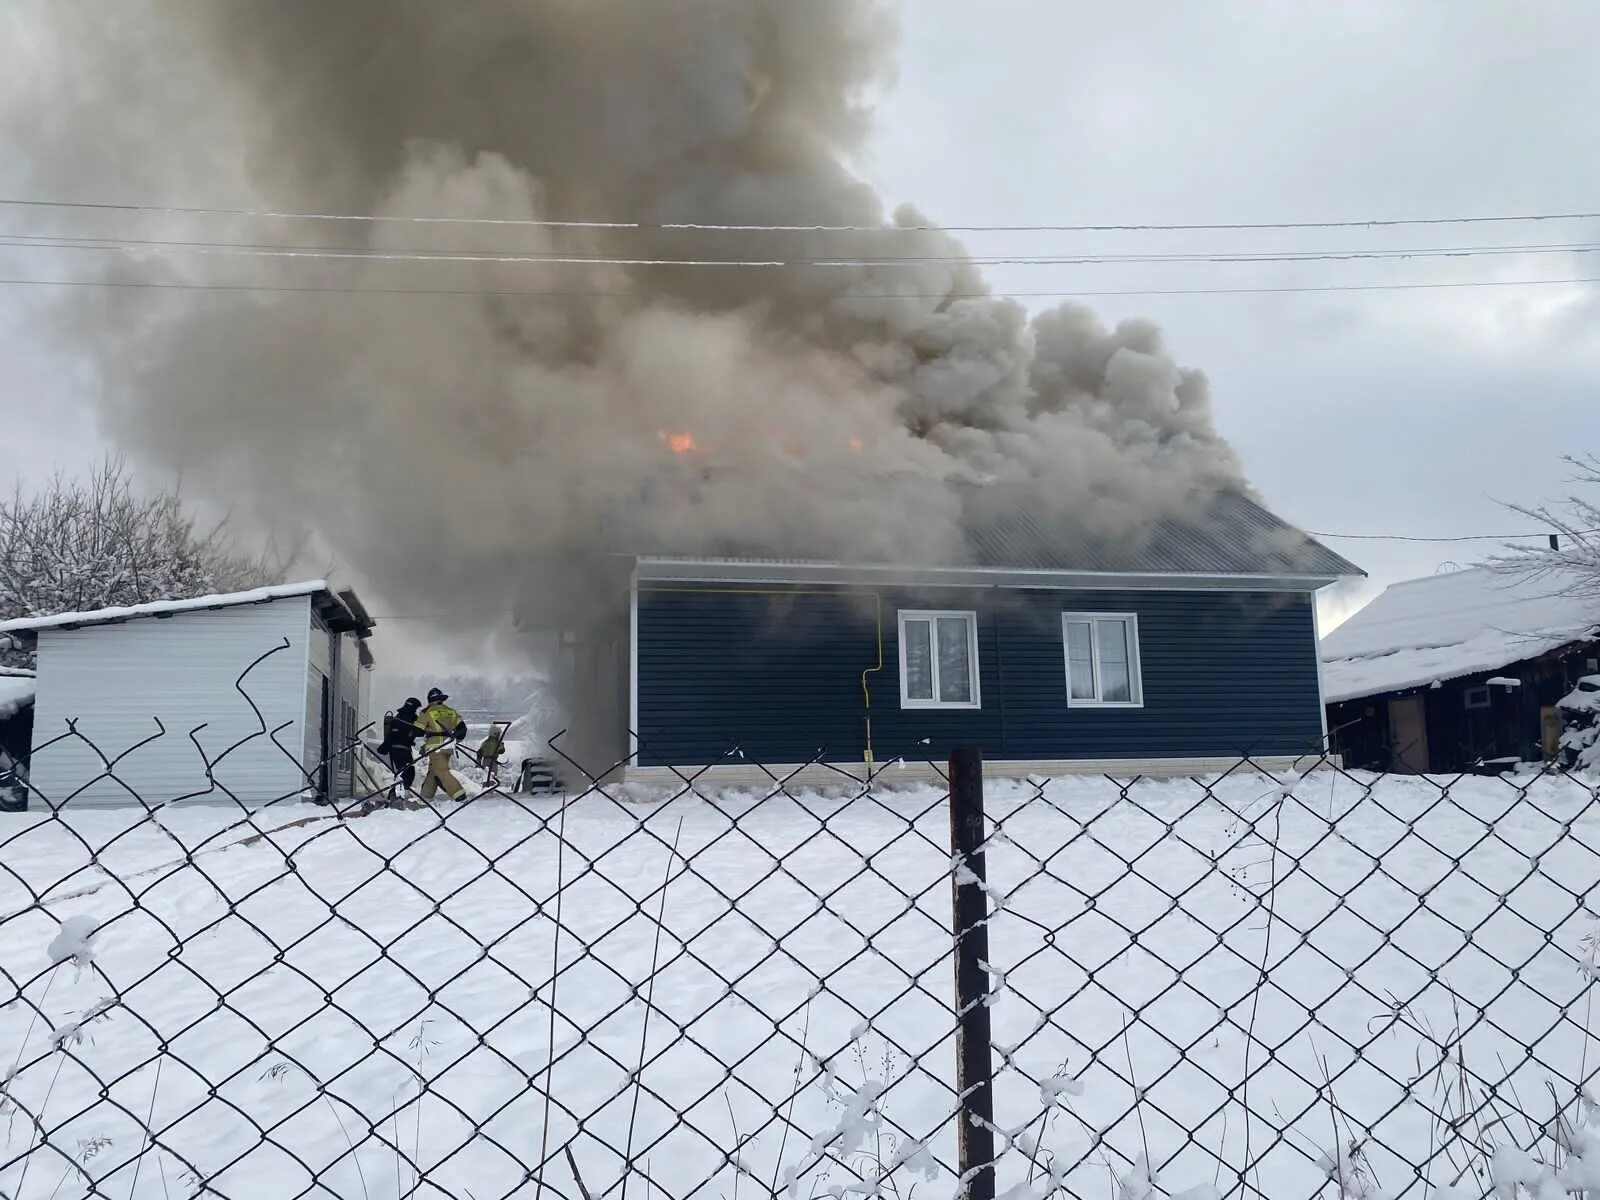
[
  {"x": 1322, "y": 691},
  {"x": 687, "y": 570},
  {"x": 894, "y": 774},
  {"x": 633, "y": 666}
]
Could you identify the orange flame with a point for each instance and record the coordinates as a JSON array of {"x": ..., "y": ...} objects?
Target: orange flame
[
  {"x": 679, "y": 443},
  {"x": 857, "y": 444}
]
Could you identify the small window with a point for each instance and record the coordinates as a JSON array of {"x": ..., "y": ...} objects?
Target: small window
[
  {"x": 1476, "y": 697},
  {"x": 938, "y": 660},
  {"x": 1102, "y": 652}
]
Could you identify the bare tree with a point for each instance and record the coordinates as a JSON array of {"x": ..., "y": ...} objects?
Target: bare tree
[
  {"x": 96, "y": 542},
  {"x": 1572, "y": 563}
]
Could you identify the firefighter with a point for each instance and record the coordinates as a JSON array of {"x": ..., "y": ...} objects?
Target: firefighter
[
  {"x": 399, "y": 745},
  {"x": 490, "y": 752},
  {"x": 441, "y": 725}
]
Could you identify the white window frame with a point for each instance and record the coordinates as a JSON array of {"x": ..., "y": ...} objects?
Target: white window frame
[
  {"x": 933, "y": 615},
  {"x": 1130, "y": 621}
]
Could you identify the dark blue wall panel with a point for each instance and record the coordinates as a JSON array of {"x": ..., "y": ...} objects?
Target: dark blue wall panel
[{"x": 777, "y": 674}]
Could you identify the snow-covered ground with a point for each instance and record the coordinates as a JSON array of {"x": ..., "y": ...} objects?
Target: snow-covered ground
[{"x": 311, "y": 980}]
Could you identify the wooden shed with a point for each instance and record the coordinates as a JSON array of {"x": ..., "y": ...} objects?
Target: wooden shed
[{"x": 1460, "y": 671}]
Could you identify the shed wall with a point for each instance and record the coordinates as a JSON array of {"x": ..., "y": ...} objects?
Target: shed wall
[{"x": 117, "y": 680}]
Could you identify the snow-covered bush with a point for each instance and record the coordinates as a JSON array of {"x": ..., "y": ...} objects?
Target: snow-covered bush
[
  {"x": 1580, "y": 718},
  {"x": 79, "y": 544}
]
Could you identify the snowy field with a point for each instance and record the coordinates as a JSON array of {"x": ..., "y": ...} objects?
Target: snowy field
[{"x": 334, "y": 1009}]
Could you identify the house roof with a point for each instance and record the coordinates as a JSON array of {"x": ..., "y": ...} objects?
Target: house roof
[
  {"x": 341, "y": 610},
  {"x": 1447, "y": 626},
  {"x": 1225, "y": 534}
]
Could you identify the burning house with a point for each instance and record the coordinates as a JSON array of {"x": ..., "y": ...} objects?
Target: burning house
[{"x": 1181, "y": 651}]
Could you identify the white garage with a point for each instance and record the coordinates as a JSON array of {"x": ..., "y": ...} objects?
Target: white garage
[{"x": 253, "y": 696}]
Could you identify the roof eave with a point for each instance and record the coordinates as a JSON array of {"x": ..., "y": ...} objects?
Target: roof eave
[
  {"x": 342, "y": 611},
  {"x": 708, "y": 570},
  {"x": 1451, "y": 675},
  {"x": 358, "y": 610}
]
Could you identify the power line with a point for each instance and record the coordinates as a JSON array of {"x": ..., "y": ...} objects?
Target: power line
[
  {"x": 722, "y": 227},
  {"x": 161, "y": 285},
  {"x": 363, "y": 255},
  {"x": 1405, "y": 537},
  {"x": 557, "y": 258},
  {"x": 102, "y": 242}
]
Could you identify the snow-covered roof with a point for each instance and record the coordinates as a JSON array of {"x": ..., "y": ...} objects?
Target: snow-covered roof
[
  {"x": 16, "y": 692},
  {"x": 1446, "y": 626},
  {"x": 343, "y": 604}
]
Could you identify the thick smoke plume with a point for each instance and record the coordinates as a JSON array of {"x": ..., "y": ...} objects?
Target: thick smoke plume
[{"x": 484, "y": 446}]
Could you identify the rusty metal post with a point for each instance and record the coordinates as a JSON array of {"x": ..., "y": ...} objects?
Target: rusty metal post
[{"x": 974, "y": 1061}]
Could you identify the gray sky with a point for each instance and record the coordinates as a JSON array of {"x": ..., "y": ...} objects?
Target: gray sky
[
  {"x": 1385, "y": 411},
  {"x": 1392, "y": 412}
]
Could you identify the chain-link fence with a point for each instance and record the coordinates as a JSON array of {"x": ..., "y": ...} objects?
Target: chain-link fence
[{"x": 1245, "y": 984}]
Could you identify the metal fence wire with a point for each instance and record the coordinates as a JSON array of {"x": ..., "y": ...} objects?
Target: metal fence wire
[{"x": 1252, "y": 984}]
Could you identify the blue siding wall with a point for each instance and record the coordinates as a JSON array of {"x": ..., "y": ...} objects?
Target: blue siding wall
[{"x": 776, "y": 673}]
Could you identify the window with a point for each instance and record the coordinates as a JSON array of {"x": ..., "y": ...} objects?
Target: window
[
  {"x": 938, "y": 660},
  {"x": 1476, "y": 697},
  {"x": 1102, "y": 660}
]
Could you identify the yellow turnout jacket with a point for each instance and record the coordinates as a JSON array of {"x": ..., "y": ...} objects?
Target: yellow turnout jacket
[{"x": 439, "y": 722}]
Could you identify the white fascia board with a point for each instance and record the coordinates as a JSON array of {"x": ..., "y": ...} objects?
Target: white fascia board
[
  {"x": 633, "y": 667},
  {"x": 692, "y": 570}
]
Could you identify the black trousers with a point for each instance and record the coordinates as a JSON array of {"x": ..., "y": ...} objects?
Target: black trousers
[{"x": 402, "y": 759}]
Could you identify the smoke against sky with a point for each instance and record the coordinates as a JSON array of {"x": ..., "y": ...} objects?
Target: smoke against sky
[{"x": 495, "y": 444}]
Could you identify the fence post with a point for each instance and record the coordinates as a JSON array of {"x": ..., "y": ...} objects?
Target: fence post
[{"x": 974, "y": 1064}]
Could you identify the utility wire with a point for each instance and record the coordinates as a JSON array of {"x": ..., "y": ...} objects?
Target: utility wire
[
  {"x": 716, "y": 227},
  {"x": 557, "y": 258},
  {"x": 1405, "y": 537},
  {"x": 161, "y": 285},
  {"x": 107, "y": 241}
]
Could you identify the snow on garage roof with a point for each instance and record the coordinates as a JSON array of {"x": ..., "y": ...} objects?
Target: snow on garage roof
[
  {"x": 342, "y": 607},
  {"x": 1446, "y": 626}
]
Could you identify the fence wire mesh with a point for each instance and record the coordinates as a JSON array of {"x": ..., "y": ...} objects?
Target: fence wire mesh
[{"x": 1251, "y": 984}]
